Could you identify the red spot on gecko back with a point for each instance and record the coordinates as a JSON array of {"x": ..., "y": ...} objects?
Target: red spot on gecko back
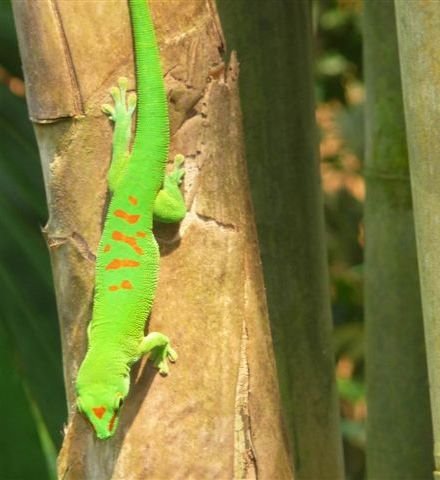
[
  {"x": 99, "y": 411},
  {"x": 107, "y": 248},
  {"x": 119, "y": 236},
  {"x": 133, "y": 200},
  {"x": 121, "y": 263},
  {"x": 141, "y": 234},
  {"x": 126, "y": 216},
  {"x": 125, "y": 284}
]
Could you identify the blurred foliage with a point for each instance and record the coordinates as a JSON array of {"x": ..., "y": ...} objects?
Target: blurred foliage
[
  {"x": 20, "y": 438},
  {"x": 340, "y": 116},
  {"x": 32, "y": 400},
  {"x": 339, "y": 48},
  {"x": 9, "y": 57}
]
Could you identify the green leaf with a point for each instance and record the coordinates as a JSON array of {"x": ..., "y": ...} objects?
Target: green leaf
[
  {"x": 28, "y": 312},
  {"x": 21, "y": 451},
  {"x": 9, "y": 57}
]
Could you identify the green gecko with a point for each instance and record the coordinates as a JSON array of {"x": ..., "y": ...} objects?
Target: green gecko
[{"x": 127, "y": 261}]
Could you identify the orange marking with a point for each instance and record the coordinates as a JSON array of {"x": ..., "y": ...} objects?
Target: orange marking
[
  {"x": 130, "y": 263},
  {"x": 141, "y": 234},
  {"x": 126, "y": 284},
  {"x": 113, "y": 288},
  {"x": 126, "y": 216},
  {"x": 99, "y": 411},
  {"x": 129, "y": 240},
  {"x": 112, "y": 422},
  {"x": 133, "y": 200},
  {"x": 107, "y": 248},
  {"x": 117, "y": 263},
  {"x": 114, "y": 264},
  {"x": 118, "y": 235}
]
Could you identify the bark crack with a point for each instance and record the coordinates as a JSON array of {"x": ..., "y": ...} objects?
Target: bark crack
[
  {"x": 78, "y": 241},
  {"x": 208, "y": 219},
  {"x": 245, "y": 464}
]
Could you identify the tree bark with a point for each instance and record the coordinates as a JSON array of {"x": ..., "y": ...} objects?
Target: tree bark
[
  {"x": 217, "y": 414},
  {"x": 418, "y": 27},
  {"x": 274, "y": 44},
  {"x": 399, "y": 432}
]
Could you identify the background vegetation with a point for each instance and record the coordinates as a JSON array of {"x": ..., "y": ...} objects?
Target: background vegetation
[
  {"x": 32, "y": 397},
  {"x": 340, "y": 117}
]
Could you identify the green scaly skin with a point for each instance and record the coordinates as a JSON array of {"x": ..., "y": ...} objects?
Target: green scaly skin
[{"x": 127, "y": 263}]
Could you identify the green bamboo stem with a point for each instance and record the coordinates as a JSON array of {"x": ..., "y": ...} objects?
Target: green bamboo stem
[
  {"x": 274, "y": 44},
  {"x": 418, "y": 26},
  {"x": 399, "y": 433}
]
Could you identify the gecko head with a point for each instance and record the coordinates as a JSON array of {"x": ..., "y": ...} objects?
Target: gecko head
[{"x": 101, "y": 405}]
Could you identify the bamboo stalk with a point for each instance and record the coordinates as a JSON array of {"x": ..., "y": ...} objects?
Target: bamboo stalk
[
  {"x": 274, "y": 44},
  {"x": 418, "y": 27},
  {"x": 399, "y": 432},
  {"x": 217, "y": 415}
]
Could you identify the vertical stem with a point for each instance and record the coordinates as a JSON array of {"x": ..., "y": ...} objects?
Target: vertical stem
[
  {"x": 399, "y": 434},
  {"x": 418, "y": 26},
  {"x": 274, "y": 46}
]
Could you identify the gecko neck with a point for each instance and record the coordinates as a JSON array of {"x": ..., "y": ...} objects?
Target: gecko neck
[{"x": 151, "y": 142}]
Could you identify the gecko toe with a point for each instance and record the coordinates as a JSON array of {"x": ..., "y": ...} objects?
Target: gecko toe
[
  {"x": 116, "y": 94},
  {"x": 123, "y": 83},
  {"x": 172, "y": 355},
  {"x": 124, "y": 105},
  {"x": 131, "y": 102},
  {"x": 108, "y": 110}
]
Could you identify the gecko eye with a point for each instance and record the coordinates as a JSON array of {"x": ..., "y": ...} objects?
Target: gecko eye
[{"x": 119, "y": 402}]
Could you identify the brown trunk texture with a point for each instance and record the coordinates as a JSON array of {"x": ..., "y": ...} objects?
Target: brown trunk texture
[{"x": 217, "y": 414}]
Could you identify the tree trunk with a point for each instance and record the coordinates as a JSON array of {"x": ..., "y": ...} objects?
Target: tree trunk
[
  {"x": 217, "y": 414},
  {"x": 274, "y": 44},
  {"x": 418, "y": 26},
  {"x": 399, "y": 432}
]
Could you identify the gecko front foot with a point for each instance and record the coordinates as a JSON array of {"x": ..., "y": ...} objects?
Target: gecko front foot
[
  {"x": 160, "y": 356},
  {"x": 159, "y": 348}
]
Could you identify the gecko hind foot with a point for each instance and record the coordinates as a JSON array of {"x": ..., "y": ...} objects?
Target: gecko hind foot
[
  {"x": 169, "y": 205},
  {"x": 178, "y": 171},
  {"x": 124, "y": 105}
]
